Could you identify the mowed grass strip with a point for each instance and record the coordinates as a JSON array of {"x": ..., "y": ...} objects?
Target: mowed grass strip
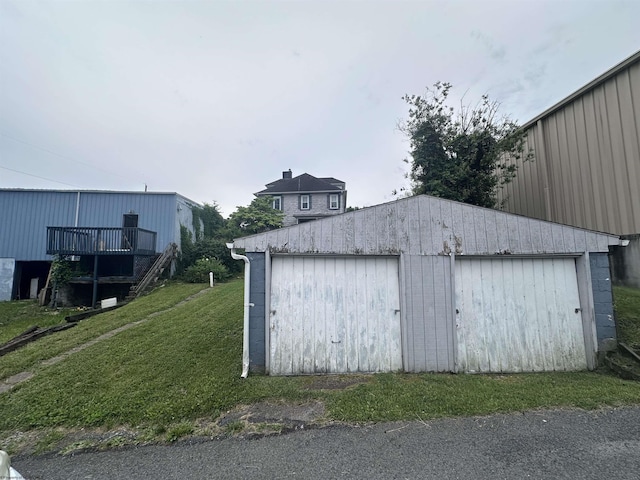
[
  {"x": 29, "y": 357},
  {"x": 428, "y": 396},
  {"x": 186, "y": 364},
  {"x": 627, "y": 305}
]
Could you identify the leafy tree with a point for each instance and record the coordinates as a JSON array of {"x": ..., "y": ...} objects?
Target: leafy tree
[
  {"x": 460, "y": 155},
  {"x": 212, "y": 220},
  {"x": 208, "y": 249},
  {"x": 259, "y": 216}
]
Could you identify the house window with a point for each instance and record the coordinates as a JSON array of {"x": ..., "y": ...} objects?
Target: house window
[
  {"x": 277, "y": 203},
  {"x": 334, "y": 201},
  {"x": 305, "y": 202}
]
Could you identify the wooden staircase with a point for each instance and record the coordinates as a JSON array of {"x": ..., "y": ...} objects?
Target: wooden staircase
[{"x": 153, "y": 273}]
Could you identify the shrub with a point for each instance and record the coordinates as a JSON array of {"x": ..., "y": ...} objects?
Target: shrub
[{"x": 199, "y": 271}]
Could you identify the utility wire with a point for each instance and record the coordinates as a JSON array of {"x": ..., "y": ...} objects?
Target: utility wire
[
  {"x": 41, "y": 178},
  {"x": 51, "y": 152}
]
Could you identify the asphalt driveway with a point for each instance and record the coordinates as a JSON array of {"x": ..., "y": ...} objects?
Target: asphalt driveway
[{"x": 542, "y": 444}]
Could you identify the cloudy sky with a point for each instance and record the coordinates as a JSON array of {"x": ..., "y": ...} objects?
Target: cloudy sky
[{"x": 213, "y": 99}]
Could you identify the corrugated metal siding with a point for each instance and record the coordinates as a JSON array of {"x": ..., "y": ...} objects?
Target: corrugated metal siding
[
  {"x": 25, "y": 216},
  {"x": 587, "y": 156},
  {"x": 424, "y": 225},
  {"x": 334, "y": 315},
  {"x": 156, "y": 212},
  {"x": 428, "y": 316},
  {"x": 518, "y": 315}
]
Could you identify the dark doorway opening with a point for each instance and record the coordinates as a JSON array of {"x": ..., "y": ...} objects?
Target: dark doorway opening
[
  {"x": 129, "y": 231},
  {"x": 30, "y": 278}
]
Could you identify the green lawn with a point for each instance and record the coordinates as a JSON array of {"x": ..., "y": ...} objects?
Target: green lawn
[
  {"x": 18, "y": 316},
  {"x": 29, "y": 357},
  {"x": 185, "y": 364},
  {"x": 627, "y": 305}
]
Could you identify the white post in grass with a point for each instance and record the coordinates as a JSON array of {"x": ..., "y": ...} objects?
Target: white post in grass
[{"x": 211, "y": 279}]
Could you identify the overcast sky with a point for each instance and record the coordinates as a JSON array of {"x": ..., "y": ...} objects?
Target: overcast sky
[{"x": 214, "y": 99}]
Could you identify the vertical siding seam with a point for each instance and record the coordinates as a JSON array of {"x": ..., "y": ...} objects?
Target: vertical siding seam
[
  {"x": 619, "y": 182},
  {"x": 627, "y": 155},
  {"x": 578, "y": 187},
  {"x": 605, "y": 132},
  {"x": 591, "y": 164},
  {"x": 598, "y": 127}
]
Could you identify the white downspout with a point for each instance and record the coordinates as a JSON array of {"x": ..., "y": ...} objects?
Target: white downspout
[{"x": 247, "y": 305}]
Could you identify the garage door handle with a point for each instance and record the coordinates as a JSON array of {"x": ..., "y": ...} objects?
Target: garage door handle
[
  {"x": 578, "y": 310},
  {"x": 397, "y": 310}
]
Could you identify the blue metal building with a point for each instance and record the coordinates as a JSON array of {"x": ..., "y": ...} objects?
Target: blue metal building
[{"x": 26, "y": 216}]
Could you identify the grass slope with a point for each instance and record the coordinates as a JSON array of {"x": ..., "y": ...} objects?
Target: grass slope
[
  {"x": 29, "y": 357},
  {"x": 18, "y": 316},
  {"x": 185, "y": 364},
  {"x": 627, "y": 305}
]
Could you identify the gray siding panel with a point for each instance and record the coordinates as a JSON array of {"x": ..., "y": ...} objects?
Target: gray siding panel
[
  {"x": 428, "y": 316},
  {"x": 602, "y": 298},
  {"x": 257, "y": 296},
  {"x": 426, "y": 225},
  {"x": 586, "y": 160},
  {"x": 7, "y": 267}
]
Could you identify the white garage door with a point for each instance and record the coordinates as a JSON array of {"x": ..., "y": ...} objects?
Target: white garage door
[
  {"x": 518, "y": 315},
  {"x": 334, "y": 315}
]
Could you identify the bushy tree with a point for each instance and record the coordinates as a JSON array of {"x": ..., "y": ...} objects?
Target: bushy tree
[
  {"x": 208, "y": 249},
  {"x": 460, "y": 154},
  {"x": 259, "y": 216}
]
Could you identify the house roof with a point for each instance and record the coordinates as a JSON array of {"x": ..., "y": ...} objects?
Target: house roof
[
  {"x": 425, "y": 225},
  {"x": 300, "y": 184},
  {"x": 331, "y": 180}
]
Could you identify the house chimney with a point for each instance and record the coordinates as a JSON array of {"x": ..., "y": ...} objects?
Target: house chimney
[{"x": 286, "y": 174}]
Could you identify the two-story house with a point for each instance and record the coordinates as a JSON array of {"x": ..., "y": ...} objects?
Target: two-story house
[{"x": 305, "y": 197}]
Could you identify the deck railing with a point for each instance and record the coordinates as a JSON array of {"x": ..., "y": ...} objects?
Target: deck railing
[{"x": 100, "y": 241}]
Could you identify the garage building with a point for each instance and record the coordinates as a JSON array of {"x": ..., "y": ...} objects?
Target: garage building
[{"x": 424, "y": 284}]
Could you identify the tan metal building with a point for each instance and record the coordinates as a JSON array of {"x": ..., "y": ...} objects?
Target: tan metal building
[{"x": 586, "y": 166}]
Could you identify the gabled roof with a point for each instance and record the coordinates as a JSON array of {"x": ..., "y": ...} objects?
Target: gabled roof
[
  {"x": 300, "y": 184},
  {"x": 425, "y": 225}
]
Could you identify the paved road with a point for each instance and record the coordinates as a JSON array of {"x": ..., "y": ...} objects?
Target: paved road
[{"x": 544, "y": 445}]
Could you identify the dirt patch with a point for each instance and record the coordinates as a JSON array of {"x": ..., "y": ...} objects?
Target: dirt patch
[
  {"x": 285, "y": 414},
  {"x": 336, "y": 382},
  {"x": 624, "y": 366},
  {"x": 260, "y": 419}
]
